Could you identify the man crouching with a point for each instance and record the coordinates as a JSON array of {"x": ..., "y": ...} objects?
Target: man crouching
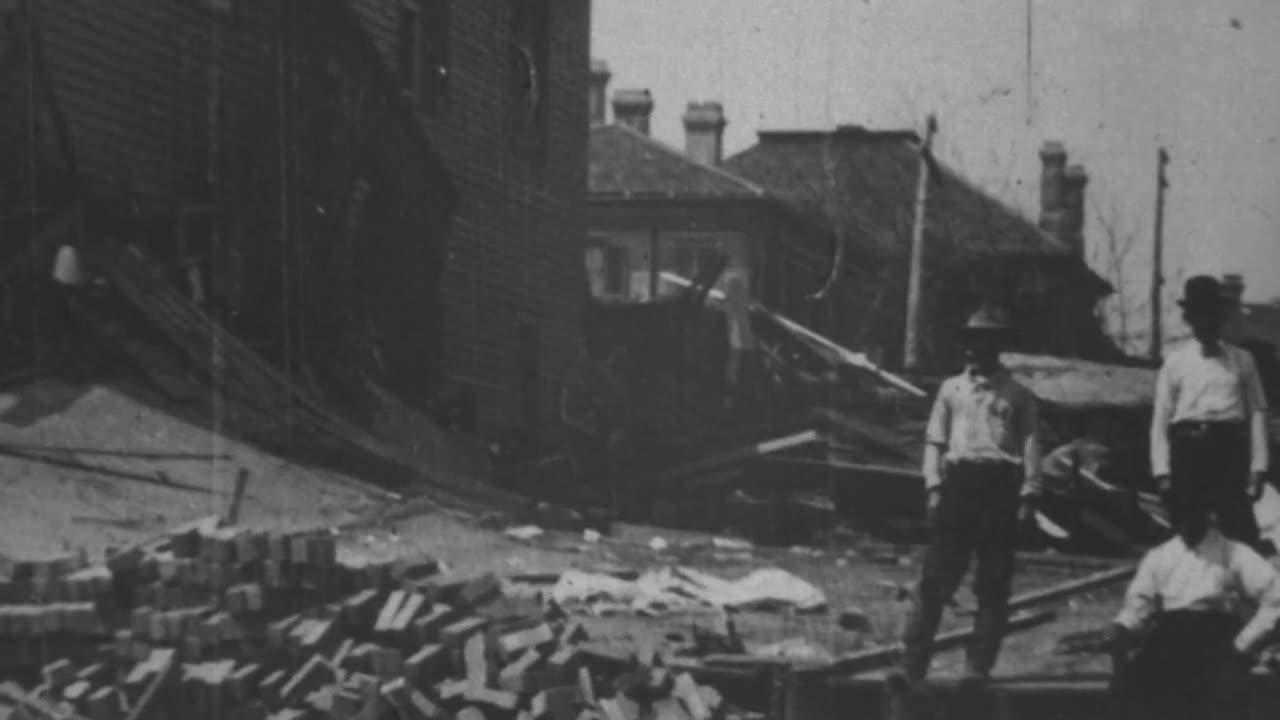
[{"x": 1199, "y": 607}]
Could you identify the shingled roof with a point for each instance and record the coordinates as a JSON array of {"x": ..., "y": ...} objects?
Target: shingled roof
[
  {"x": 627, "y": 163},
  {"x": 875, "y": 176}
]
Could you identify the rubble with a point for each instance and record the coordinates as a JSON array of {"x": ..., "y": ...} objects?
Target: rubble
[
  {"x": 218, "y": 622},
  {"x": 682, "y": 589}
]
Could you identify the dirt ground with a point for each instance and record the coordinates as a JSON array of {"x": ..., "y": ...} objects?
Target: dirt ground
[
  {"x": 138, "y": 470},
  {"x": 92, "y": 466}
]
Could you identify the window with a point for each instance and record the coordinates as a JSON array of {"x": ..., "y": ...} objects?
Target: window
[
  {"x": 531, "y": 50},
  {"x": 424, "y": 51},
  {"x": 617, "y": 273}
]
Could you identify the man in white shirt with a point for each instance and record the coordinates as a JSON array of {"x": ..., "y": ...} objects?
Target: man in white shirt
[
  {"x": 1198, "y": 608},
  {"x": 1208, "y": 428},
  {"x": 982, "y": 475}
]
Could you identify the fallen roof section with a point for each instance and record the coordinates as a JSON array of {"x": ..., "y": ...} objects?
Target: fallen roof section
[
  {"x": 1082, "y": 384},
  {"x": 836, "y": 353}
]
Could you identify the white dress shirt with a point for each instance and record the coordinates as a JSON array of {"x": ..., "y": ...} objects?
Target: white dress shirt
[
  {"x": 983, "y": 417},
  {"x": 1218, "y": 574},
  {"x": 1202, "y": 384}
]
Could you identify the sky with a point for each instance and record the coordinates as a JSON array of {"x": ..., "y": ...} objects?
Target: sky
[{"x": 1112, "y": 79}]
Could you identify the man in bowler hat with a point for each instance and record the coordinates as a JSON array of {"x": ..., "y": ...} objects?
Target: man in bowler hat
[
  {"x": 1208, "y": 428},
  {"x": 982, "y": 476}
]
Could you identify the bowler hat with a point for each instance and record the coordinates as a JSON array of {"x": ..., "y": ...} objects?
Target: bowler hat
[
  {"x": 987, "y": 318},
  {"x": 1202, "y": 292}
]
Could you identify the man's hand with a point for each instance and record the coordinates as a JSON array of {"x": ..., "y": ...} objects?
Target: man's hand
[
  {"x": 1257, "y": 481},
  {"x": 1117, "y": 642},
  {"x": 933, "y": 503},
  {"x": 1162, "y": 484},
  {"x": 1116, "y": 639}
]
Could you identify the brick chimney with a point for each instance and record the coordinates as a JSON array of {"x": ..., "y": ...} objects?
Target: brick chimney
[
  {"x": 633, "y": 108},
  {"x": 600, "y": 76},
  {"x": 1233, "y": 293},
  {"x": 704, "y": 132},
  {"x": 1053, "y": 159},
  {"x": 1233, "y": 288},
  {"x": 1074, "y": 180}
]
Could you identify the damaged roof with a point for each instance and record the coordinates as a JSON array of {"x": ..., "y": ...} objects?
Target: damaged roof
[
  {"x": 875, "y": 174},
  {"x": 1081, "y": 384},
  {"x": 628, "y": 163}
]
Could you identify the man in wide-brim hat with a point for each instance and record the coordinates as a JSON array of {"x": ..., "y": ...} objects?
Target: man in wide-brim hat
[
  {"x": 982, "y": 475},
  {"x": 1208, "y": 427}
]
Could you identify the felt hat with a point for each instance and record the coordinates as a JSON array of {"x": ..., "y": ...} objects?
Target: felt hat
[
  {"x": 987, "y": 318},
  {"x": 1202, "y": 292}
]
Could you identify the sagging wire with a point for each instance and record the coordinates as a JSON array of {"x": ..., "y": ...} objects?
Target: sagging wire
[
  {"x": 1028, "y": 79},
  {"x": 218, "y": 359},
  {"x": 830, "y": 187}
]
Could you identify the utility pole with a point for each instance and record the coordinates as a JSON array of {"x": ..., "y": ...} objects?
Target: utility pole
[
  {"x": 911, "y": 350},
  {"x": 1157, "y": 260}
]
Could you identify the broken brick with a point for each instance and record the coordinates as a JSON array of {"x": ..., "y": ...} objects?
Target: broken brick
[
  {"x": 58, "y": 673},
  {"x": 514, "y": 644},
  {"x": 427, "y": 666},
  {"x": 455, "y": 634},
  {"x": 390, "y": 610},
  {"x": 517, "y": 676},
  {"x": 426, "y": 629}
]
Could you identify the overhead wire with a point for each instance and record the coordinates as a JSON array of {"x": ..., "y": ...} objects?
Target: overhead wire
[
  {"x": 829, "y": 162},
  {"x": 213, "y": 108},
  {"x": 1029, "y": 58}
]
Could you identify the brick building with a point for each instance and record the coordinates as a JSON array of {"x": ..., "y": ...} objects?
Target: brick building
[
  {"x": 777, "y": 209},
  {"x": 504, "y": 97},
  {"x": 862, "y": 183},
  {"x": 364, "y": 189},
  {"x": 656, "y": 209}
]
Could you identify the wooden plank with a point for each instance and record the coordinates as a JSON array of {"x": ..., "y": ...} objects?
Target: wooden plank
[
  {"x": 162, "y": 674},
  {"x": 1089, "y": 583},
  {"x": 886, "y": 471},
  {"x": 34, "y": 707},
  {"x": 878, "y": 657},
  {"x": 739, "y": 454},
  {"x": 237, "y": 497},
  {"x": 843, "y": 354}
]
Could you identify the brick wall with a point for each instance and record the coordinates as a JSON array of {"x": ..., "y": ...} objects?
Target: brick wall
[
  {"x": 515, "y": 250},
  {"x": 133, "y": 80},
  {"x": 136, "y": 81}
]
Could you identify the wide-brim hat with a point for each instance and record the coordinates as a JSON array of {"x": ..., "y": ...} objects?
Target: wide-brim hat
[
  {"x": 987, "y": 319},
  {"x": 1203, "y": 292}
]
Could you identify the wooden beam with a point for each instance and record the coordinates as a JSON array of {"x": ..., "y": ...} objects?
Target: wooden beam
[
  {"x": 842, "y": 354},
  {"x": 878, "y": 657},
  {"x": 1079, "y": 563},
  {"x": 884, "y": 470},
  {"x": 148, "y": 696},
  {"x": 806, "y": 437},
  {"x": 31, "y": 706},
  {"x": 1017, "y": 684},
  {"x": 1089, "y": 583},
  {"x": 233, "y": 511},
  {"x": 911, "y": 343}
]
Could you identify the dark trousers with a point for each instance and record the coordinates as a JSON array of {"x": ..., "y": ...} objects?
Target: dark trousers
[
  {"x": 978, "y": 516},
  {"x": 1209, "y": 468},
  {"x": 1186, "y": 669}
]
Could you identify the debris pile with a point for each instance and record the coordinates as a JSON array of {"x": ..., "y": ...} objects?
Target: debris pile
[
  {"x": 671, "y": 589},
  {"x": 229, "y": 623}
]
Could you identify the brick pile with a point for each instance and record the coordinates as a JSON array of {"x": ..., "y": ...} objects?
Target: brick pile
[{"x": 228, "y": 623}]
